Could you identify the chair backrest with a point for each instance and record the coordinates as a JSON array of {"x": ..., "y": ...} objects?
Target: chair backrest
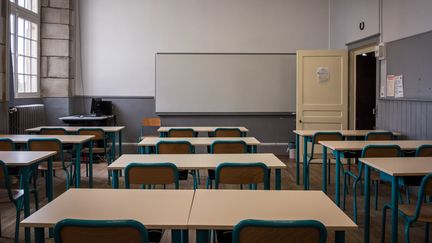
[
  {"x": 242, "y": 174},
  {"x": 53, "y": 131},
  {"x": 95, "y": 231},
  {"x": 151, "y": 122},
  {"x": 151, "y": 174},
  {"x": 6, "y": 144},
  {"x": 174, "y": 147},
  {"x": 46, "y": 144},
  {"x": 98, "y": 133},
  {"x": 5, "y": 182},
  {"x": 181, "y": 133},
  {"x": 228, "y": 147},
  {"x": 379, "y": 136},
  {"x": 381, "y": 151},
  {"x": 424, "y": 151},
  {"x": 424, "y": 192},
  {"x": 265, "y": 231},
  {"x": 325, "y": 136},
  {"x": 228, "y": 132}
]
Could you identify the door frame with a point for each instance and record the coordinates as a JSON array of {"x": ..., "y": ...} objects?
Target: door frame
[{"x": 352, "y": 85}]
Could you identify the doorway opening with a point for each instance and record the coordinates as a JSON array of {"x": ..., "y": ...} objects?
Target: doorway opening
[{"x": 365, "y": 95}]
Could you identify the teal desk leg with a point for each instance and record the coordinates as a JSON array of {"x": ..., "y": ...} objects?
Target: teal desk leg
[
  {"x": 297, "y": 158},
  {"x": 305, "y": 170},
  {"x": 394, "y": 209},
  {"x": 115, "y": 179},
  {"x": 39, "y": 235},
  {"x": 179, "y": 236},
  {"x": 25, "y": 174},
  {"x": 78, "y": 166},
  {"x": 91, "y": 165},
  {"x": 339, "y": 236},
  {"x": 278, "y": 179},
  {"x": 324, "y": 169},
  {"x": 367, "y": 204},
  {"x": 113, "y": 146},
  {"x": 49, "y": 180},
  {"x": 202, "y": 236},
  {"x": 120, "y": 141},
  {"x": 337, "y": 177}
]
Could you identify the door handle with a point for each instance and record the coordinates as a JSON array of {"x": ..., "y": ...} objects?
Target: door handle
[{"x": 300, "y": 121}]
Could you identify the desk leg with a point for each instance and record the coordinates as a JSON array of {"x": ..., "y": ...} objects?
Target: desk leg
[
  {"x": 113, "y": 146},
  {"x": 49, "y": 183},
  {"x": 337, "y": 177},
  {"x": 366, "y": 203},
  {"x": 339, "y": 236},
  {"x": 297, "y": 158},
  {"x": 91, "y": 165},
  {"x": 115, "y": 179},
  {"x": 278, "y": 179},
  {"x": 78, "y": 166},
  {"x": 202, "y": 236},
  {"x": 324, "y": 169},
  {"x": 25, "y": 174},
  {"x": 39, "y": 235},
  {"x": 394, "y": 209},
  {"x": 120, "y": 143},
  {"x": 305, "y": 171}
]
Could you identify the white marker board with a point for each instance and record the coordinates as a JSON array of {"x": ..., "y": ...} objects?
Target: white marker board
[{"x": 225, "y": 83}]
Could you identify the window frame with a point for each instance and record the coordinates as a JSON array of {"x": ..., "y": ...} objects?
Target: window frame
[{"x": 21, "y": 12}]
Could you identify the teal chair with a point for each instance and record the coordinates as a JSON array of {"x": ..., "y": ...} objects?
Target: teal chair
[
  {"x": 149, "y": 175},
  {"x": 224, "y": 147},
  {"x": 182, "y": 133},
  {"x": 379, "y": 136},
  {"x": 419, "y": 212},
  {"x": 59, "y": 163},
  {"x": 7, "y": 144},
  {"x": 52, "y": 131},
  {"x": 370, "y": 151},
  {"x": 316, "y": 138},
  {"x": 10, "y": 195},
  {"x": 100, "y": 231},
  {"x": 226, "y": 133},
  {"x": 422, "y": 151},
  {"x": 296, "y": 231},
  {"x": 242, "y": 174}
]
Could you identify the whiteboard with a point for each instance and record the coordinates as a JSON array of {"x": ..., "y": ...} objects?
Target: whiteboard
[{"x": 225, "y": 83}]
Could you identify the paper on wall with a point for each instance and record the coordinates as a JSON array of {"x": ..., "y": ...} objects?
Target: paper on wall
[
  {"x": 390, "y": 85},
  {"x": 398, "y": 86}
]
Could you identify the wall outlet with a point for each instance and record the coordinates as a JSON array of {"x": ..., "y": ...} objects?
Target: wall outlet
[{"x": 380, "y": 51}]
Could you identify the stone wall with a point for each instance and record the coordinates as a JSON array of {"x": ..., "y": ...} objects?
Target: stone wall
[
  {"x": 3, "y": 62},
  {"x": 57, "y": 61}
]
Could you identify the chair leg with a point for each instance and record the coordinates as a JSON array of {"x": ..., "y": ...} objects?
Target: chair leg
[
  {"x": 67, "y": 178},
  {"x": 355, "y": 199},
  {"x": 17, "y": 219},
  {"x": 329, "y": 171},
  {"x": 427, "y": 233},
  {"x": 383, "y": 225},
  {"x": 345, "y": 191},
  {"x": 407, "y": 232},
  {"x": 35, "y": 192},
  {"x": 376, "y": 195},
  {"x": 407, "y": 192}
]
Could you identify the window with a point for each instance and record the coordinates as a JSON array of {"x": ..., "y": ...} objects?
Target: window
[{"x": 24, "y": 43}]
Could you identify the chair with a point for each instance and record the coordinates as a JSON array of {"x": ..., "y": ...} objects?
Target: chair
[
  {"x": 177, "y": 147},
  {"x": 52, "y": 144},
  {"x": 242, "y": 174},
  {"x": 7, "y": 194},
  {"x": 419, "y": 212},
  {"x": 182, "y": 133},
  {"x": 316, "y": 138},
  {"x": 100, "y": 231},
  {"x": 267, "y": 231},
  {"x": 368, "y": 152},
  {"x": 228, "y": 132},
  {"x": 150, "y": 175},
  {"x": 224, "y": 147},
  {"x": 149, "y": 122},
  {"x": 422, "y": 151},
  {"x": 379, "y": 136},
  {"x": 52, "y": 131},
  {"x": 7, "y": 144}
]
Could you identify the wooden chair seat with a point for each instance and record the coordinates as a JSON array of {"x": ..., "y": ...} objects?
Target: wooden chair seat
[
  {"x": 16, "y": 193},
  {"x": 425, "y": 211},
  {"x": 95, "y": 150},
  {"x": 56, "y": 165}
]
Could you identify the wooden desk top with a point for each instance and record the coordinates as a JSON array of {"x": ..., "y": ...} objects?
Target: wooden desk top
[
  {"x": 201, "y": 129},
  {"x": 222, "y": 209},
  {"x": 359, "y": 145},
  {"x": 160, "y": 209},
  {"x": 73, "y": 139},
  {"x": 197, "y": 161},
  {"x": 152, "y": 141},
  {"x": 24, "y": 158},
  {"x": 403, "y": 166},
  {"x": 75, "y": 129},
  {"x": 347, "y": 133}
]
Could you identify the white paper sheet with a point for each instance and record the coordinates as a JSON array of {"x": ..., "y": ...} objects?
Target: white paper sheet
[
  {"x": 390, "y": 85},
  {"x": 398, "y": 86}
]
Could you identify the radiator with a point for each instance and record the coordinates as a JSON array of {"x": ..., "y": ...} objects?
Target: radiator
[{"x": 22, "y": 117}]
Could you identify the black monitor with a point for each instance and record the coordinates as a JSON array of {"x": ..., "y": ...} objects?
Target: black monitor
[{"x": 100, "y": 107}]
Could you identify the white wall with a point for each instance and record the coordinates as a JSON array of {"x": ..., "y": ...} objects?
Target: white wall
[
  {"x": 404, "y": 18},
  {"x": 120, "y": 38}
]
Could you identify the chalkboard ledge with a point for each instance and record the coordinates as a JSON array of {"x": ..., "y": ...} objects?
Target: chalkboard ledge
[{"x": 406, "y": 99}]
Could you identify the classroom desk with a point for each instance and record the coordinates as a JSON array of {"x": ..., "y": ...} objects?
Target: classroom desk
[
  {"x": 26, "y": 162},
  {"x": 163, "y": 131},
  {"x": 307, "y": 137},
  {"x": 339, "y": 147},
  {"x": 111, "y": 131},
  {"x": 155, "y": 209},
  {"x": 77, "y": 140},
  {"x": 396, "y": 168},
  {"x": 223, "y": 209},
  {"x": 197, "y": 162},
  {"x": 148, "y": 142}
]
